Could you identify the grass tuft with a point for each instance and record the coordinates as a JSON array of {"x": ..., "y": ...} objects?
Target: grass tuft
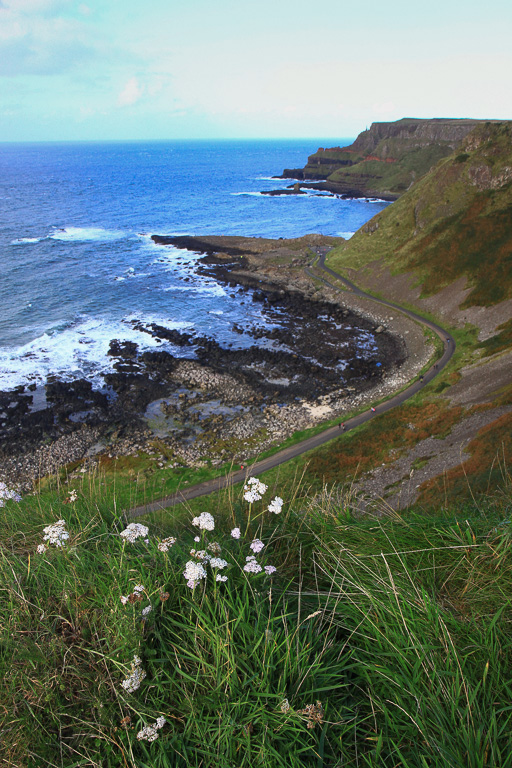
[{"x": 377, "y": 641}]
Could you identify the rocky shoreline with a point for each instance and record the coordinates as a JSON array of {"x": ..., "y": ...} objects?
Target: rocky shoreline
[{"x": 307, "y": 364}]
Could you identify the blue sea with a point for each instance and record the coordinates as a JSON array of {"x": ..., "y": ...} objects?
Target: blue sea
[{"x": 78, "y": 265}]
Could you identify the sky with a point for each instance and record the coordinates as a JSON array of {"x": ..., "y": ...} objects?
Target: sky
[{"x": 208, "y": 69}]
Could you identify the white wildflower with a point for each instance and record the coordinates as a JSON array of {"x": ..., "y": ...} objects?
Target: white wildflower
[
  {"x": 251, "y": 496},
  {"x": 150, "y": 732},
  {"x": 194, "y": 572},
  {"x": 276, "y": 505},
  {"x": 200, "y": 554},
  {"x": 256, "y": 545},
  {"x": 134, "y": 531},
  {"x": 136, "y": 677},
  {"x": 205, "y": 521},
  {"x": 135, "y": 597},
  {"x": 166, "y": 544},
  {"x": 252, "y": 566},
  {"x": 285, "y": 706},
  {"x": 147, "y": 610},
  {"x": 270, "y": 569},
  {"x": 214, "y": 547},
  {"x": 220, "y": 577},
  {"x": 197, "y": 538},
  {"x": 218, "y": 562},
  {"x": 41, "y": 549},
  {"x": 235, "y": 533},
  {"x": 56, "y": 534},
  {"x": 7, "y": 493},
  {"x": 254, "y": 490}
]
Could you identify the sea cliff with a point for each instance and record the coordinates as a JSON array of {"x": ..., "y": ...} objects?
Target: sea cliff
[{"x": 384, "y": 160}]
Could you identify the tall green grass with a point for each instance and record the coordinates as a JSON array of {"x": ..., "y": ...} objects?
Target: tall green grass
[{"x": 381, "y": 641}]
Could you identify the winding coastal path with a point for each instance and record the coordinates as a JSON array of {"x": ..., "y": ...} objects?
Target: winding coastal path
[{"x": 210, "y": 486}]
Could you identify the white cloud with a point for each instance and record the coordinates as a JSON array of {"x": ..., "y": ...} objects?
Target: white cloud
[
  {"x": 131, "y": 93},
  {"x": 42, "y": 7}
]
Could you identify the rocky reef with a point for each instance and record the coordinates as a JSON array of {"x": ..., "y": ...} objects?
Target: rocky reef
[{"x": 301, "y": 365}]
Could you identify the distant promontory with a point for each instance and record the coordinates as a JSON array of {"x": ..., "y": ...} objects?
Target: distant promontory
[{"x": 385, "y": 160}]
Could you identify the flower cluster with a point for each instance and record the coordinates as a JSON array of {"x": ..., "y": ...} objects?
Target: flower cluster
[
  {"x": 194, "y": 572},
  {"x": 218, "y": 562},
  {"x": 236, "y": 533},
  {"x": 150, "y": 732},
  {"x": 136, "y": 677},
  {"x": 166, "y": 544},
  {"x": 205, "y": 521},
  {"x": 7, "y": 493},
  {"x": 254, "y": 490},
  {"x": 276, "y": 505},
  {"x": 134, "y": 531},
  {"x": 252, "y": 565},
  {"x": 135, "y": 596},
  {"x": 256, "y": 546},
  {"x": 200, "y": 554},
  {"x": 55, "y": 534},
  {"x": 73, "y": 496}
]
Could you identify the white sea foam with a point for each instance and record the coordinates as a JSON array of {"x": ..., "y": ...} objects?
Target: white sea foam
[
  {"x": 321, "y": 194},
  {"x": 364, "y": 200},
  {"x": 23, "y": 240},
  {"x": 85, "y": 234},
  {"x": 146, "y": 320},
  {"x": 214, "y": 289},
  {"x": 78, "y": 350},
  {"x": 248, "y": 194}
]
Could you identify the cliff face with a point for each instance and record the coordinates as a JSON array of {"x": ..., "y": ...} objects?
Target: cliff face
[
  {"x": 386, "y": 159},
  {"x": 456, "y": 221}
]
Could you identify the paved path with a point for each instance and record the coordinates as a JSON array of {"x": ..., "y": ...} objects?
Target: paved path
[{"x": 210, "y": 486}]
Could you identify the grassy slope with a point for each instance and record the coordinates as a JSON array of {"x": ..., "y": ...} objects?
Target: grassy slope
[
  {"x": 456, "y": 221},
  {"x": 392, "y": 177},
  {"x": 397, "y": 162},
  {"x": 371, "y": 643}
]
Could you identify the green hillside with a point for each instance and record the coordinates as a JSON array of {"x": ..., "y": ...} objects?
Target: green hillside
[
  {"x": 386, "y": 159},
  {"x": 456, "y": 221}
]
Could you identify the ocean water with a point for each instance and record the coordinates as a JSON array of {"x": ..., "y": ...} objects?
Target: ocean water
[{"x": 77, "y": 262}]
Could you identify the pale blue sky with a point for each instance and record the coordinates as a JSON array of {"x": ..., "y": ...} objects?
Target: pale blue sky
[{"x": 163, "y": 69}]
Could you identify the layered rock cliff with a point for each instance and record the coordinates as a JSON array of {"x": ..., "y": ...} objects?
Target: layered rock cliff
[
  {"x": 386, "y": 159},
  {"x": 455, "y": 222}
]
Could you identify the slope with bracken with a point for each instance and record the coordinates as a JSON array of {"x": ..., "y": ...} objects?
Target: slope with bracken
[{"x": 445, "y": 248}]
